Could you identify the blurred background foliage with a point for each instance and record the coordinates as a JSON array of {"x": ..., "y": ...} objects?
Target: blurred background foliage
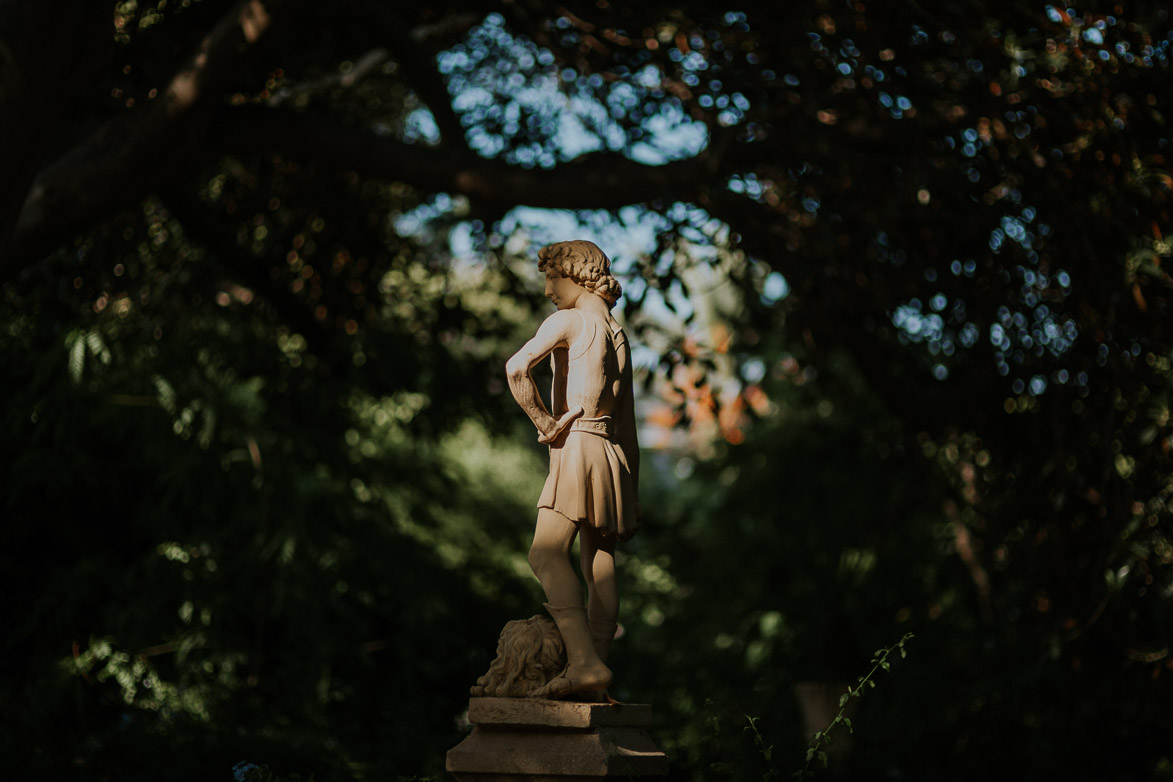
[{"x": 895, "y": 280}]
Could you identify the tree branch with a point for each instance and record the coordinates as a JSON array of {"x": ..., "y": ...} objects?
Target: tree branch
[
  {"x": 420, "y": 68},
  {"x": 131, "y": 154},
  {"x": 594, "y": 181},
  {"x": 362, "y": 68},
  {"x": 44, "y": 68}
]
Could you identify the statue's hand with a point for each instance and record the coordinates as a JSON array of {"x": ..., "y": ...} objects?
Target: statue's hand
[{"x": 560, "y": 426}]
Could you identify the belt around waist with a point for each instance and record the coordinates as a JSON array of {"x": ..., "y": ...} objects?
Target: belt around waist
[{"x": 604, "y": 425}]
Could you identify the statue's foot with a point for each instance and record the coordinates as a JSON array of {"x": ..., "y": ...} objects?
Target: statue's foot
[{"x": 576, "y": 680}]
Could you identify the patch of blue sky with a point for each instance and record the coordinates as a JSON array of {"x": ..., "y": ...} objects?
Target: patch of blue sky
[
  {"x": 998, "y": 336},
  {"x": 916, "y": 326},
  {"x": 622, "y": 98},
  {"x": 679, "y": 301},
  {"x": 649, "y": 77},
  {"x": 581, "y": 121},
  {"x": 420, "y": 125},
  {"x": 967, "y": 267},
  {"x": 624, "y": 239},
  {"x": 669, "y": 135},
  {"x": 747, "y": 184},
  {"x": 1042, "y": 333},
  {"x": 896, "y": 105},
  {"x": 579, "y": 117},
  {"x": 625, "y": 236},
  {"x": 694, "y": 61},
  {"x": 969, "y": 335},
  {"x": 471, "y": 97},
  {"x": 753, "y": 370},
  {"x": 573, "y": 138},
  {"x": 421, "y": 221},
  {"x": 594, "y": 115},
  {"x": 1014, "y": 228},
  {"x": 729, "y": 117},
  {"x": 775, "y": 288}
]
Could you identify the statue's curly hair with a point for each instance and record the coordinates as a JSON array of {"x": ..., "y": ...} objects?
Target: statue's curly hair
[
  {"x": 529, "y": 654},
  {"x": 584, "y": 263}
]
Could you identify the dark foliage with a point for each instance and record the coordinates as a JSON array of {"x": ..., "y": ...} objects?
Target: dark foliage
[{"x": 266, "y": 497}]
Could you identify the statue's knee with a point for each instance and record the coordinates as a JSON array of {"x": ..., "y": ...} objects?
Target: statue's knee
[{"x": 539, "y": 560}]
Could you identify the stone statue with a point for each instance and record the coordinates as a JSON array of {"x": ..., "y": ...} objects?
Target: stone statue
[{"x": 594, "y": 459}]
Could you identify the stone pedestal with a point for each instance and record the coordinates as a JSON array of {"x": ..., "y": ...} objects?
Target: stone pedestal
[{"x": 533, "y": 740}]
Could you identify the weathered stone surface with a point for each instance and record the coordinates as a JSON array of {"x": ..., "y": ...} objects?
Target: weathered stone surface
[
  {"x": 543, "y": 740},
  {"x": 539, "y": 712}
]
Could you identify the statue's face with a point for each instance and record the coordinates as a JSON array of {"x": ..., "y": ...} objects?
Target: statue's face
[{"x": 563, "y": 291}]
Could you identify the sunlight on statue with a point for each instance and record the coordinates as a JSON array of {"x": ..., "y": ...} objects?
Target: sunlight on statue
[{"x": 594, "y": 459}]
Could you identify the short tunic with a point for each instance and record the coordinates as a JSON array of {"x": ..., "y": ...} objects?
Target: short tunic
[{"x": 590, "y": 479}]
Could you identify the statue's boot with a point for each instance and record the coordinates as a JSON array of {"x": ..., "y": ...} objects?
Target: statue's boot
[
  {"x": 602, "y": 634},
  {"x": 584, "y": 670}
]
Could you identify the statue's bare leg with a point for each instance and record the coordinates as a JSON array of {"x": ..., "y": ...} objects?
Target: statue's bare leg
[
  {"x": 549, "y": 557},
  {"x": 598, "y": 568}
]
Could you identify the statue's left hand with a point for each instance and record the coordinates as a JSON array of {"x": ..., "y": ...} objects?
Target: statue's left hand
[{"x": 566, "y": 420}]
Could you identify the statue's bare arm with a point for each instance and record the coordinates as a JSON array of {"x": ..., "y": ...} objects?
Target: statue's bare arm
[
  {"x": 560, "y": 363},
  {"x": 556, "y": 332},
  {"x": 625, "y": 418}
]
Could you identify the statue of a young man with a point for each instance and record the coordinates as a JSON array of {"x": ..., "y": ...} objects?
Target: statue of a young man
[{"x": 594, "y": 459}]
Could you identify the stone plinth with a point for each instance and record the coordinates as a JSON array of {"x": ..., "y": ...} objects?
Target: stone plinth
[{"x": 534, "y": 740}]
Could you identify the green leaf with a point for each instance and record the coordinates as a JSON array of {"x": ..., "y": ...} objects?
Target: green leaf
[
  {"x": 166, "y": 394},
  {"x": 98, "y": 347},
  {"x": 77, "y": 356}
]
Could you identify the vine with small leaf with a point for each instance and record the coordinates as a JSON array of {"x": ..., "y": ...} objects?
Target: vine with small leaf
[
  {"x": 879, "y": 661},
  {"x": 820, "y": 738}
]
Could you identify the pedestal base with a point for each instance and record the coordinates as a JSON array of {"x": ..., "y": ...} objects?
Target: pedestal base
[{"x": 533, "y": 740}]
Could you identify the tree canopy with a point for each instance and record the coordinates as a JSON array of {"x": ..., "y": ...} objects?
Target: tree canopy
[{"x": 896, "y": 273}]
